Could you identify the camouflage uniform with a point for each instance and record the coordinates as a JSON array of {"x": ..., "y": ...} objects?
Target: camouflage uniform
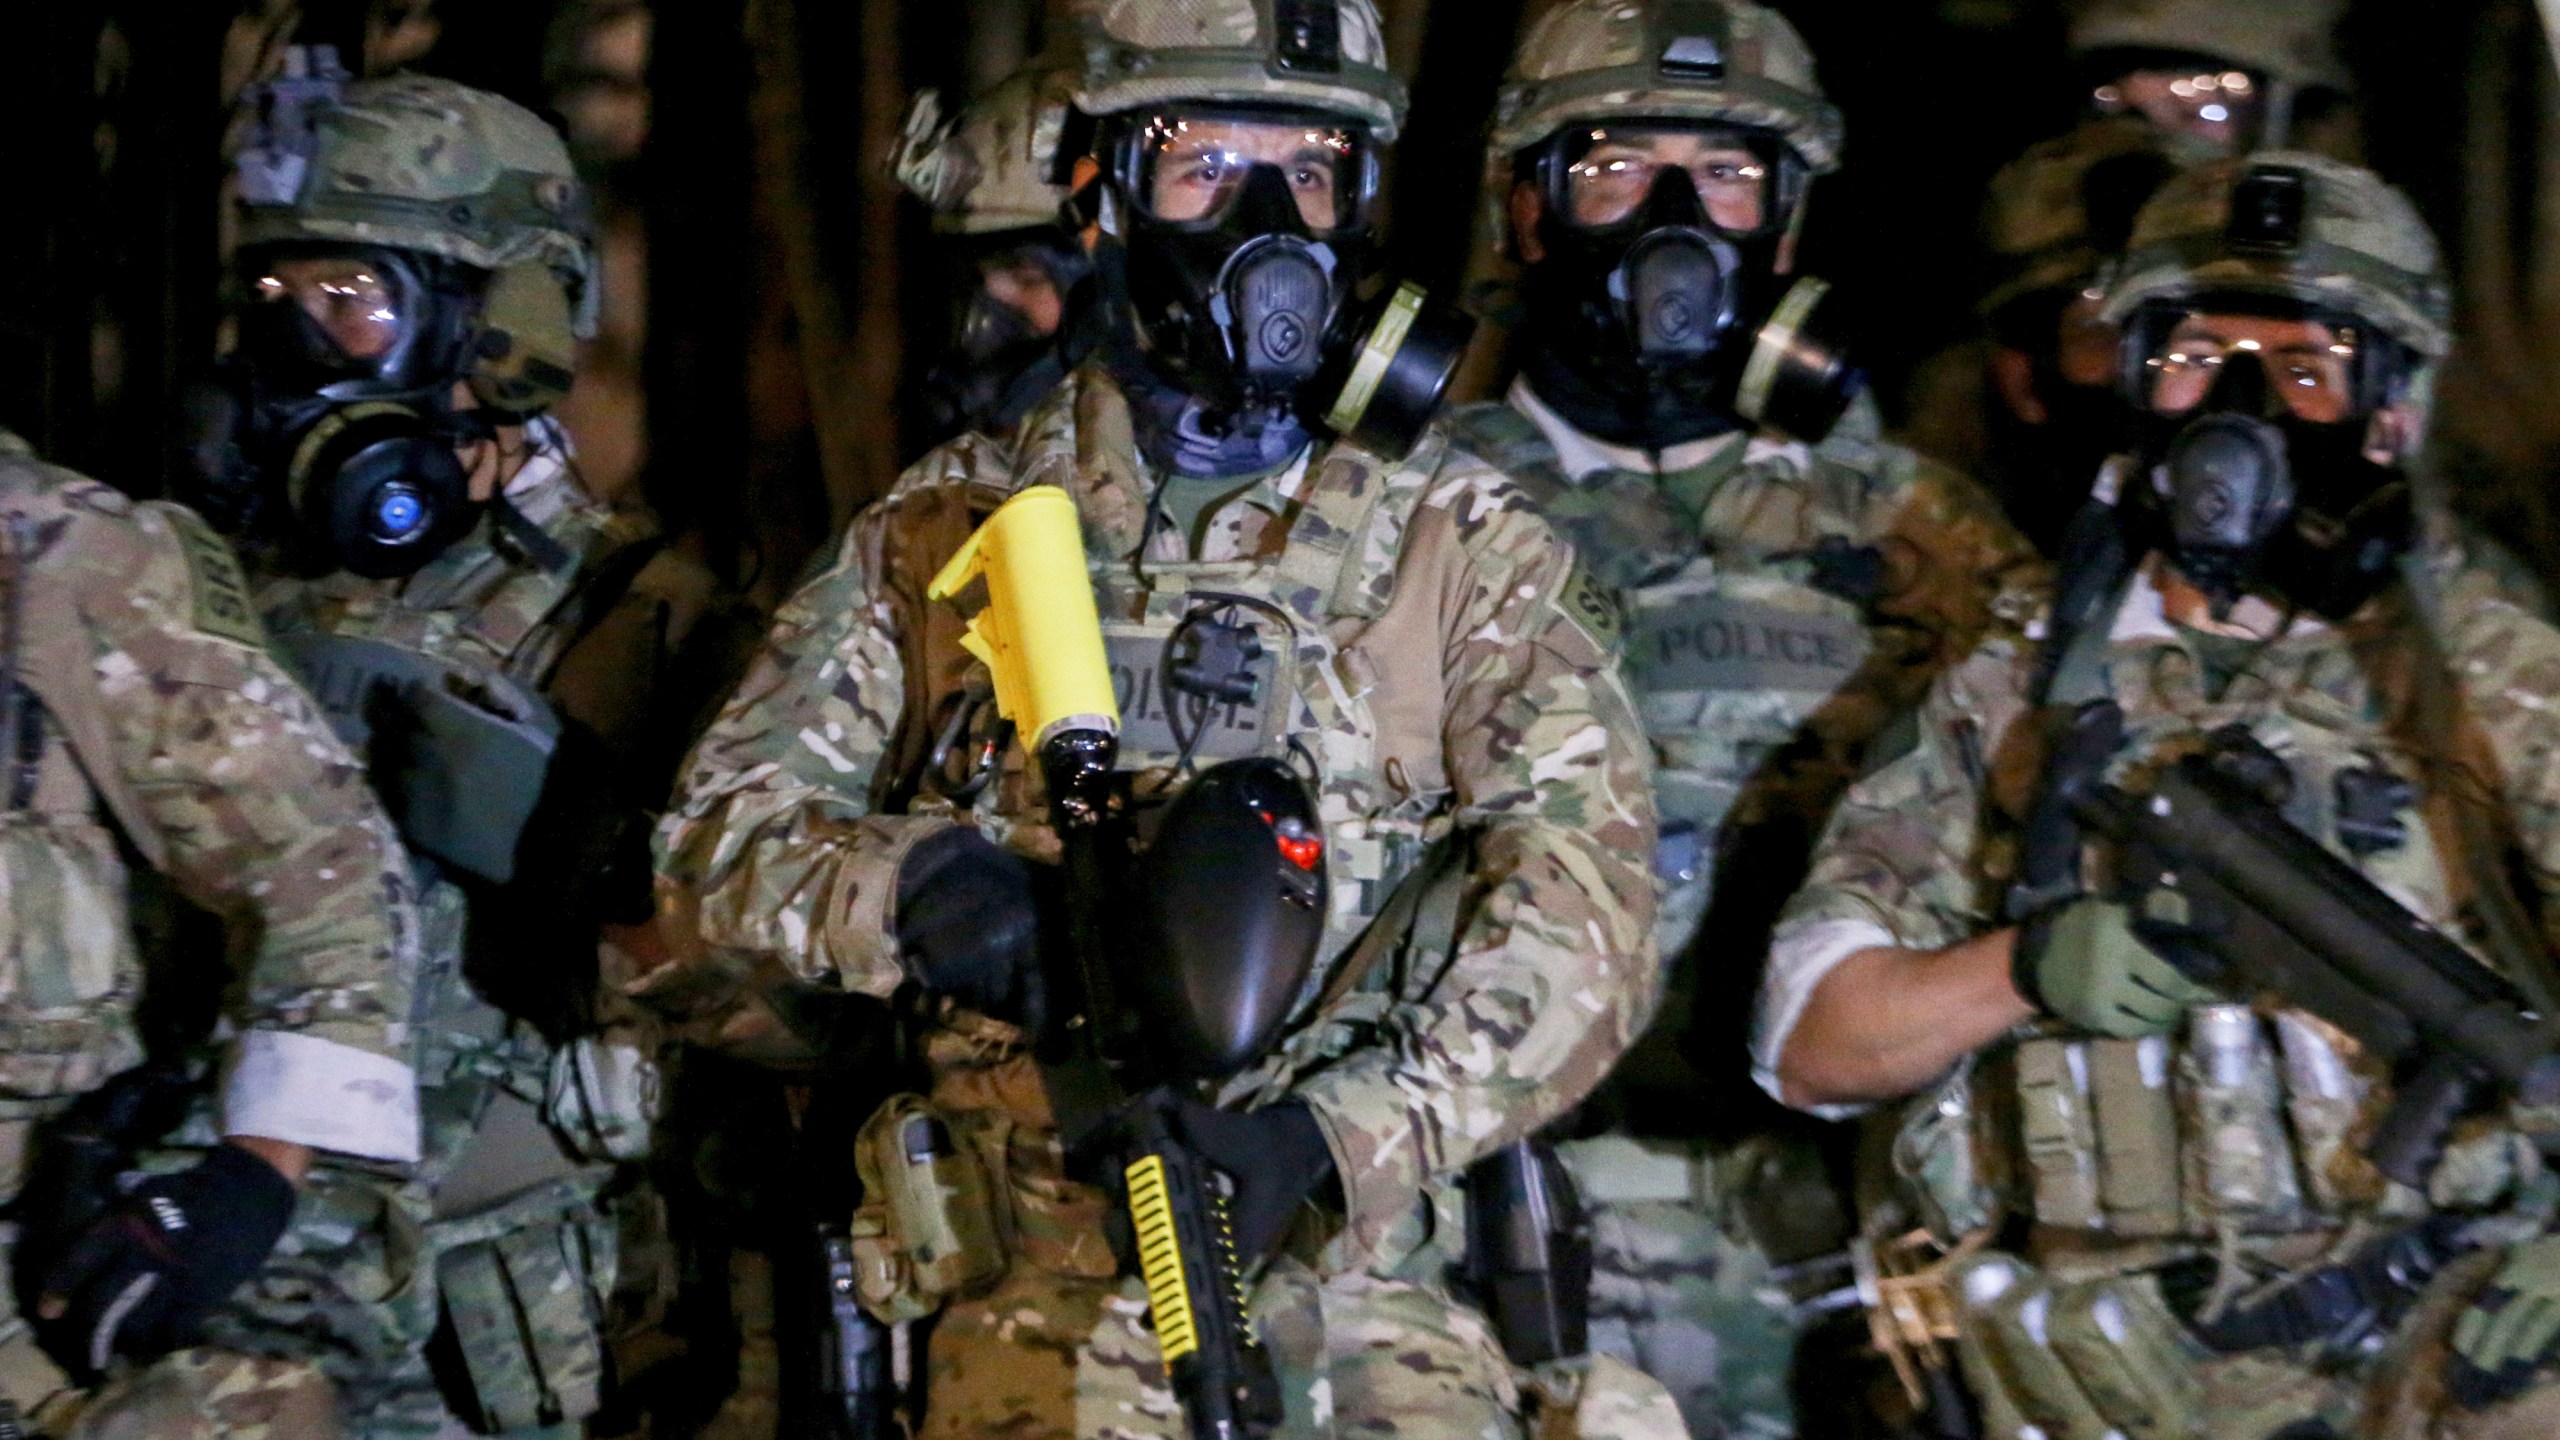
[
  {"x": 152, "y": 722},
  {"x": 1784, "y": 602},
  {"x": 2119, "y": 1159},
  {"x": 499, "y": 1233},
  {"x": 1446, "y": 678}
]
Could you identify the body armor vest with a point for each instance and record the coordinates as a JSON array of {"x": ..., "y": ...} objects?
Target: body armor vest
[
  {"x": 2246, "y": 1120},
  {"x": 1753, "y": 665},
  {"x": 493, "y": 622}
]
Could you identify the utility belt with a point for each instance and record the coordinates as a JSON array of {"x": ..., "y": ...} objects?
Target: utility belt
[{"x": 2078, "y": 1353}]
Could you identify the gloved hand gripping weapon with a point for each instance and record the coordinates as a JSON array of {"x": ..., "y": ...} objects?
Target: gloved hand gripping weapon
[
  {"x": 1205, "y": 968},
  {"x": 2235, "y": 896}
]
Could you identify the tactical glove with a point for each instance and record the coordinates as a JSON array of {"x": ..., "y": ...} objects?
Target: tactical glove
[
  {"x": 1276, "y": 1157},
  {"x": 2511, "y": 1330},
  {"x": 142, "y": 1280},
  {"x": 2082, "y": 962},
  {"x": 968, "y": 923}
]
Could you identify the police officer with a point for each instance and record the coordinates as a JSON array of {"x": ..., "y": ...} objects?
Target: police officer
[
  {"x": 990, "y": 177},
  {"x": 1434, "y": 664},
  {"x": 2215, "y": 78},
  {"x": 2031, "y": 408},
  {"x": 144, "y": 719},
  {"x": 1786, "y": 594},
  {"x": 414, "y": 267},
  {"x": 2146, "y": 1204}
]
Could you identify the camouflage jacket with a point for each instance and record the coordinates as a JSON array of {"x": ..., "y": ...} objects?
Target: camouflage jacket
[
  {"x": 163, "y": 721},
  {"x": 1784, "y": 603},
  {"x": 1920, "y": 852},
  {"x": 1447, "y": 673}
]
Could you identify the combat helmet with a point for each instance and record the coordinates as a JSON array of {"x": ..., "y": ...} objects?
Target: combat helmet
[
  {"x": 992, "y": 167},
  {"x": 1329, "y": 55},
  {"x": 416, "y": 163},
  {"x": 2057, "y": 215},
  {"x": 1719, "y": 60},
  {"x": 2289, "y": 42},
  {"x": 2290, "y": 225}
]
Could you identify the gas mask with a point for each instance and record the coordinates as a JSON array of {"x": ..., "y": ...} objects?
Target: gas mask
[
  {"x": 2243, "y": 493},
  {"x": 1658, "y": 308},
  {"x": 330, "y": 433},
  {"x": 1000, "y": 362},
  {"x": 1239, "y": 239}
]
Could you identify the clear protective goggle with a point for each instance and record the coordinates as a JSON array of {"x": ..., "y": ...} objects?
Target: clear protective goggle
[
  {"x": 344, "y": 319},
  {"x": 1188, "y": 165},
  {"x": 1602, "y": 175},
  {"x": 2315, "y": 365}
]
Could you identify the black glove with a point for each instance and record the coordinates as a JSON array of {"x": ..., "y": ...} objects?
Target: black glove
[
  {"x": 1276, "y": 1156},
  {"x": 969, "y": 925},
  {"x": 142, "y": 1280}
]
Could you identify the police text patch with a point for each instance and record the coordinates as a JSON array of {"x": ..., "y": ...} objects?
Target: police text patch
[{"x": 1717, "y": 642}]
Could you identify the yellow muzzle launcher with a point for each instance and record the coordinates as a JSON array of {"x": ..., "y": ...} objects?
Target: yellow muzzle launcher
[{"x": 1040, "y": 635}]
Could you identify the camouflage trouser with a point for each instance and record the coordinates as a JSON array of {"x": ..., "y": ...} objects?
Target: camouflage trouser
[
  {"x": 1050, "y": 1357},
  {"x": 214, "y": 1395},
  {"x": 1676, "y": 1294}
]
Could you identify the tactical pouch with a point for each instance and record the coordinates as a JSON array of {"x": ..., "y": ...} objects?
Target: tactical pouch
[
  {"x": 2058, "y": 1133},
  {"x": 2324, "y": 1097},
  {"x": 69, "y": 972},
  {"x": 928, "y": 1228},
  {"x": 2137, "y": 1123},
  {"x": 2082, "y": 1362},
  {"x": 2130, "y": 1356},
  {"x": 1939, "y": 1155},
  {"x": 526, "y": 1305},
  {"x": 2005, "y": 1347},
  {"x": 2239, "y": 1158}
]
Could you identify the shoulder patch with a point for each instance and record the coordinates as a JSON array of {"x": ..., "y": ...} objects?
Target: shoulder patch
[
  {"x": 222, "y": 607},
  {"x": 1591, "y": 606}
]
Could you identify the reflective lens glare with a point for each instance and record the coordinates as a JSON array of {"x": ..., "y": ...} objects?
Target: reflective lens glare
[
  {"x": 1608, "y": 181},
  {"x": 2309, "y": 365},
  {"x": 1194, "y": 166},
  {"x": 2222, "y": 108},
  {"x": 351, "y": 300}
]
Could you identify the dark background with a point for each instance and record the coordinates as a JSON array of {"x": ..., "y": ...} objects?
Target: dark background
[{"x": 769, "y": 290}]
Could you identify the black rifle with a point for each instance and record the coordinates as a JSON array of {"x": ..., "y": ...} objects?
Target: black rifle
[
  {"x": 2267, "y": 910},
  {"x": 1228, "y": 910}
]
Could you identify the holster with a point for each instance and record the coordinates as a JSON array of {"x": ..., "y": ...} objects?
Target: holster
[{"x": 1528, "y": 1258}]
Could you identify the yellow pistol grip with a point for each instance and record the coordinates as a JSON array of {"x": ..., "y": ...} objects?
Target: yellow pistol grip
[{"x": 1040, "y": 634}]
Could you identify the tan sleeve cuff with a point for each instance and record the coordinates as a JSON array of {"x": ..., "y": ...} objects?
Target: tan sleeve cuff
[{"x": 863, "y": 938}]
